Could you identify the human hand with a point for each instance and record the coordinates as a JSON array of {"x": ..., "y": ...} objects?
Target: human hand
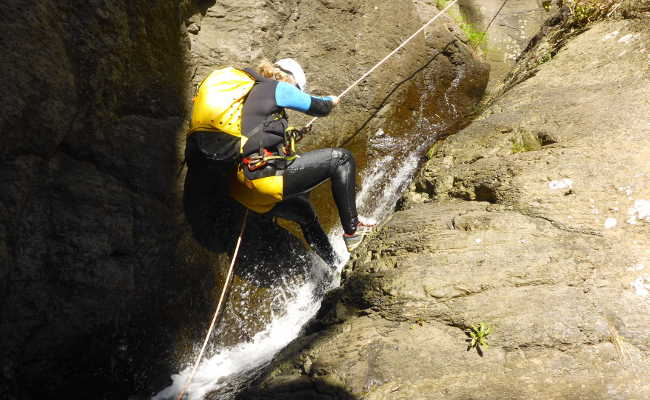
[{"x": 335, "y": 100}]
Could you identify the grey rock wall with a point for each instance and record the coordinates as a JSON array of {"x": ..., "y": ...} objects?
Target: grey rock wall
[{"x": 534, "y": 220}]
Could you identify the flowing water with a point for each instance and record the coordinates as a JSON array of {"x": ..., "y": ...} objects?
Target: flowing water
[{"x": 392, "y": 161}]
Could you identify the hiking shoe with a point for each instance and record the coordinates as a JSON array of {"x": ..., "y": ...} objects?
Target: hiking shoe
[{"x": 354, "y": 240}]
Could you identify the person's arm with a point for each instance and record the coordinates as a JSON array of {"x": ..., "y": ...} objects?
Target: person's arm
[{"x": 289, "y": 96}]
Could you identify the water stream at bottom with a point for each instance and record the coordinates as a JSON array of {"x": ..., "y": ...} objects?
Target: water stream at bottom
[{"x": 229, "y": 370}]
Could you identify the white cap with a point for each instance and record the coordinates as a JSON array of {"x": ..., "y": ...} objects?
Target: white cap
[{"x": 291, "y": 66}]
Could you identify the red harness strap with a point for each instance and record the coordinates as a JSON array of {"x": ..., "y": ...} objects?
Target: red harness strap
[{"x": 255, "y": 162}]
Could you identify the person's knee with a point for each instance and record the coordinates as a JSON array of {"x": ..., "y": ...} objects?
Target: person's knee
[
  {"x": 341, "y": 156},
  {"x": 310, "y": 225}
]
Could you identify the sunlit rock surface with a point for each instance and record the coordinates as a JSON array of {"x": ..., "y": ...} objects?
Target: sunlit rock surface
[{"x": 533, "y": 220}]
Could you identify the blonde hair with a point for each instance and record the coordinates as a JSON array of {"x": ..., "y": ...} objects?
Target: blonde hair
[{"x": 268, "y": 70}]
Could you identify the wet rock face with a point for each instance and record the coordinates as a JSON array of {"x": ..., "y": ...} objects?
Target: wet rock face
[{"x": 533, "y": 220}]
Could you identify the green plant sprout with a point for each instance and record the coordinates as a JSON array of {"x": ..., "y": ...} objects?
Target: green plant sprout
[
  {"x": 518, "y": 147},
  {"x": 474, "y": 36},
  {"x": 478, "y": 337},
  {"x": 441, "y": 3}
]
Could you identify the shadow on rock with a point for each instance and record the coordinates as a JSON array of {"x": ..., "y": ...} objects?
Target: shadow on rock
[
  {"x": 214, "y": 219},
  {"x": 299, "y": 389}
]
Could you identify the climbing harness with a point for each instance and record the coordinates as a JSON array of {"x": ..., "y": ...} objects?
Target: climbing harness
[
  {"x": 285, "y": 153},
  {"x": 224, "y": 290},
  {"x": 293, "y": 135},
  {"x": 260, "y": 160}
]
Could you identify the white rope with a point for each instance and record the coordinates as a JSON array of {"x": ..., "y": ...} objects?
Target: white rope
[
  {"x": 216, "y": 313},
  {"x": 364, "y": 76}
]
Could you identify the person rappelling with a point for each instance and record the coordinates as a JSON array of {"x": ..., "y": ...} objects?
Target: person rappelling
[{"x": 239, "y": 123}]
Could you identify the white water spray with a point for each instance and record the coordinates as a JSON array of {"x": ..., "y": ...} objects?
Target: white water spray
[{"x": 215, "y": 372}]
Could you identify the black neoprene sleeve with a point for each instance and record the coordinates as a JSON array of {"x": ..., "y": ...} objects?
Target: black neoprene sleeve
[{"x": 319, "y": 107}]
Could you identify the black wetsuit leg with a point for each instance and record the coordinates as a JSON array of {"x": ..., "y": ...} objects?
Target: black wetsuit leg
[
  {"x": 315, "y": 167},
  {"x": 298, "y": 209}
]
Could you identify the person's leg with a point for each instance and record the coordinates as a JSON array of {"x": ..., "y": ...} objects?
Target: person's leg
[
  {"x": 299, "y": 210},
  {"x": 315, "y": 167}
]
